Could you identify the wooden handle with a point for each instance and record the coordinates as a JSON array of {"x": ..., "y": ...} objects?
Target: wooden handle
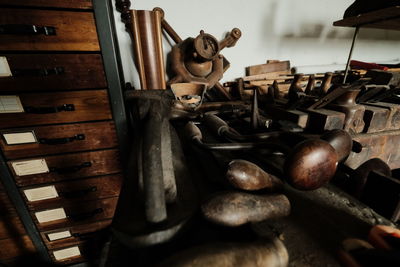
[
  {"x": 45, "y": 110},
  {"x": 78, "y": 193},
  {"x": 85, "y": 215},
  {"x": 60, "y": 141},
  {"x": 70, "y": 169},
  {"x": 38, "y": 72}
]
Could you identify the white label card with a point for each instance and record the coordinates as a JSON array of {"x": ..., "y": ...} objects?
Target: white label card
[
  {"x": 50, "y": 215},
  {"x": 58, "y": 235},
  {"x": 41, "y": 193},
  {"x": 29, "y": 167},
  {"x": 10, "y": 104},
  {"x": 66, "y": 253},
  {"x": 20, "y": 138},
  {"x": 4, "y": 68}
]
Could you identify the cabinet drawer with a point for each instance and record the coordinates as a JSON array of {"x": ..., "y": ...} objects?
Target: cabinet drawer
[
  {"x": 81, "y": 4},
  {"x": 64, "y": 167},
  {"x": 47, "y": 72},
  {"x": 41, "y": 197},
  {"x": 84, "y": 251},
  {"x": 15, "y": 247},
  {"x": 57, "y": 139},
  {"x": 11, "y": 226},
  {"x": 64, "y": 107},
  {"x": 73, "y": 31},
  {"x": 76, "y": 234},
  {"x": 61, "y": 216}
]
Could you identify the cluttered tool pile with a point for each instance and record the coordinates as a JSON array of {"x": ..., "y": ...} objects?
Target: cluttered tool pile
[{"x": 230, "y": 153}]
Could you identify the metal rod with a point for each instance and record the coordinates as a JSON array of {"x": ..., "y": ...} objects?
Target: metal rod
[
  {"x": 223, "y": 91},
  {"x": 350, "y": 54},
  {"x": 170, "y": 31},
  {"x": 103, "y": 11}
]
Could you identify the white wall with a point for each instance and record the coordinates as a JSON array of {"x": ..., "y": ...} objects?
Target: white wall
[{"x": 300, "y": 31}]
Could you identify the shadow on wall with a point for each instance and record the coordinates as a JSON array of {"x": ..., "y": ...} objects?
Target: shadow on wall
[{"x": 314, "y": 18}]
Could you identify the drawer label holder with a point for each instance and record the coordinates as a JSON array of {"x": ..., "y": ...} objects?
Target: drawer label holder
[
  {"x": 4, "y": 68},
  {"x": 41, "y": 193},
  {"x": 10, "y": 104},
  {"x": 66, "y": 253},
  {"x": 19, "y": 138},
  {"x": 29, "y": 167},
  {"x": 50, "y": 215},
  {"x": 58, "y": 235}
]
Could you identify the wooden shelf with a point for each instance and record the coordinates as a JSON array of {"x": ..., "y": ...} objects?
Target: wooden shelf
[{"x": 387, "y": 18}]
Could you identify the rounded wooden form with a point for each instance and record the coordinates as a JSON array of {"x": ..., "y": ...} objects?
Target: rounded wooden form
[{"x": 311, "y": 164}]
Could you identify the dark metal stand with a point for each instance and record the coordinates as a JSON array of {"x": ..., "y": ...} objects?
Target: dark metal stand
[
  {"x": 350, "y": 54},
  {"x": 103, "y": 11}
]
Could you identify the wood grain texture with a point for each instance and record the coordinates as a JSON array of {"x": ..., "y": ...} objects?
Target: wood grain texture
[
  {"x": 89, "y": 105},
  {"x": 79, "y": 190},
  {"x": 15, "y": 247},
  {"x": 102, "y": 162},
  {"x": 81, "y": 71},
  {"x": 79, "y": 4},
  {"x": 75, "y": 31},
  {"x": 79, "y": 233},
  {"x": 6, "y": 206},
  {"x": 11, "y": 226},
  {"x": 107, "y": 205},
  {"x": 98, "y": 135},
  {"x": 269, "y": 67}
]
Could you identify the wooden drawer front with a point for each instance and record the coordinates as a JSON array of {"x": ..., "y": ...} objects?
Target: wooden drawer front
[
  {"x": 16, "y": 247},
  {"x": 74, "y": 31},
  {"x": 81, "y": 4},
  {"x": 11, "y": 226},
  {"x": 85, "y": 251},
  {"x": 74, "y": 235},
  {"x": 87, "y": 105},
  {"x": 59, "y": 139},
  {"x": 70, "y": 166},
  {"x": 75, "y": 214},
  {"x": 72, "y": 191},
  {"x": 47, "y": 72}
]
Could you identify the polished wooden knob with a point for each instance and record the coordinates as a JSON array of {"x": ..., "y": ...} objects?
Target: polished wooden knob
[{"x": 311, "y": 164}]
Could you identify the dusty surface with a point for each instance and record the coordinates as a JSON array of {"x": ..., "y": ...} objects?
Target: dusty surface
[{"x": 319, "y": 221}]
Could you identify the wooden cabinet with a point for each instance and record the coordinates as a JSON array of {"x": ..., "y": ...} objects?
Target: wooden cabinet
[
  {"x": 56, "y": 30},
  {"x": 63, "y": 138},
  {"x": 65, "y": 167},
  {"x": 79, "y": 4},
  {"x": 52, "y": 72},
  {"x": 60, "y": 107},
  {"x": 60, "y": 139}
]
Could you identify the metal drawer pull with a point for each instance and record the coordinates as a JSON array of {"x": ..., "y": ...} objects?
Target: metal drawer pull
[
  {"x": 26, "y": 29},
  {"x": 70, "y": 169},
  {"x": 38, "y": 72},
  {"x": 84, "y": 236},
  {"x": 45, "y": 110},
  {"x": 78, "y": 193},
  {"x": 85, "y": 215},
  {"x": 60, "y": 141}
]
